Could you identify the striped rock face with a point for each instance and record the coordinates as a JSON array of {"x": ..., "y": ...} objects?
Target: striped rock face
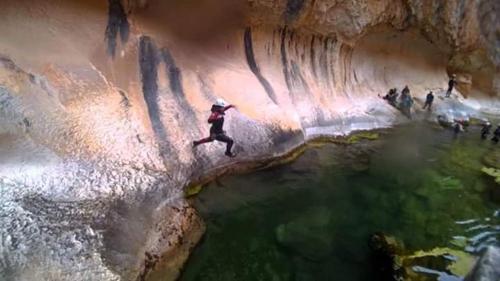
[{"x": 100, "y": 102}]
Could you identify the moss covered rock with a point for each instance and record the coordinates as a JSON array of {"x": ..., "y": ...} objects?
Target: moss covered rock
[
  {"x": 362, "y": 136},
  {"x": 495, "y": 173},
  {"x": 429, "y": 265},
  {"x": 433, "y": 265},
  {"x": 192, "y": 190}
]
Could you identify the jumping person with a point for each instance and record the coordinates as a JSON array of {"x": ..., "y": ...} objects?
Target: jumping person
[
  {"x": 216, "y": 131},
  {"x": 451, "y": 85},
  {"x": 428, "y": 100}
]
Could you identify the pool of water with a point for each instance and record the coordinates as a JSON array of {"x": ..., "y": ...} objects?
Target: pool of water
[{"x": 311, "y": 219}]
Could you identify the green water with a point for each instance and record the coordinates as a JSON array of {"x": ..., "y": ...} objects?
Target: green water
[{"x": 311, "y": 219}]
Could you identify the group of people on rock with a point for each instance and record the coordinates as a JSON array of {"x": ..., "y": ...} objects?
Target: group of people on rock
[
  {"x": 404, "y": 104},
  {"x": 406, "y": 100},
  {"x": 459, "y": 126}
]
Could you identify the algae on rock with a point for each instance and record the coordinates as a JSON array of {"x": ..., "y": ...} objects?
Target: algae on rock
[
  {"x": 445, "y": 260},
  {"x": 192, "y": 190},
  {"x": 355, "y": 138},
  {"x": 495, "y": 173}
]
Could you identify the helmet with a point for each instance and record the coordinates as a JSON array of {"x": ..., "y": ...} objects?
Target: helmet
[{"x": 220, "y": 102}]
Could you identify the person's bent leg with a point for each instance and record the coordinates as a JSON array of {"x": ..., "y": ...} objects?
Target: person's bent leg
[
  {"x": 229, "y": 141},
  {"x": 205, "y": 140}
]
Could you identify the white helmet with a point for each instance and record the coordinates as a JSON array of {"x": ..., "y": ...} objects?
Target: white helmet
[{"x": 220, "y": 102}]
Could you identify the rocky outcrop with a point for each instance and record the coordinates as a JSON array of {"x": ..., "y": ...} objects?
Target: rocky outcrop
[
  {"x": 99, "y": 103},
  {"x": 462, "y": 30}
]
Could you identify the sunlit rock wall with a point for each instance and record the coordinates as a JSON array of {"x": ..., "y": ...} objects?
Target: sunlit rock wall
[
  {"x": 100, "y": 102},
  {"x": 464, "y": 31}
]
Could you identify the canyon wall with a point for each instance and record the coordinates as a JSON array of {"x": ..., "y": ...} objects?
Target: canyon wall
[{"x": 100, "y": 102}]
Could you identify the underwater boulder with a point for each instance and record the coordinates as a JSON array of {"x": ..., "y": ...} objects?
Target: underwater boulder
[
  {"x": 495, "y": 173},
  {"x": 309, "y": 235},
  {"x": 384, "y": 251},
  {"x": 390, "y": 262}
]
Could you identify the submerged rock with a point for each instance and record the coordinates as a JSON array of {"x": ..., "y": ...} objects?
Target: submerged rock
[
  {"x": 309, "y": 234},
  {"x": 391, "y": 263},
  {"x": 495, "y": 173},
  {"x": 436, "y": 264},
  {"x": 384, "y": 256}
]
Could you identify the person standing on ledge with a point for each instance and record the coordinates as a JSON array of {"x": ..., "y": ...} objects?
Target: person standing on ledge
[
  {"x": 216, "y": 131},
  {"x": 451, "y": 85},
  {"x": 428, "y": 100}
]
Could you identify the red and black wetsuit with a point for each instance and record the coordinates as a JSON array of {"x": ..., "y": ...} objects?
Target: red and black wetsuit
[{"x": 216, "y": 131}]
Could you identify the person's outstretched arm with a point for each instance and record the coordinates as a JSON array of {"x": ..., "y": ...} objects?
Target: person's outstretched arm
[{"x": 228, "y": 107}]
